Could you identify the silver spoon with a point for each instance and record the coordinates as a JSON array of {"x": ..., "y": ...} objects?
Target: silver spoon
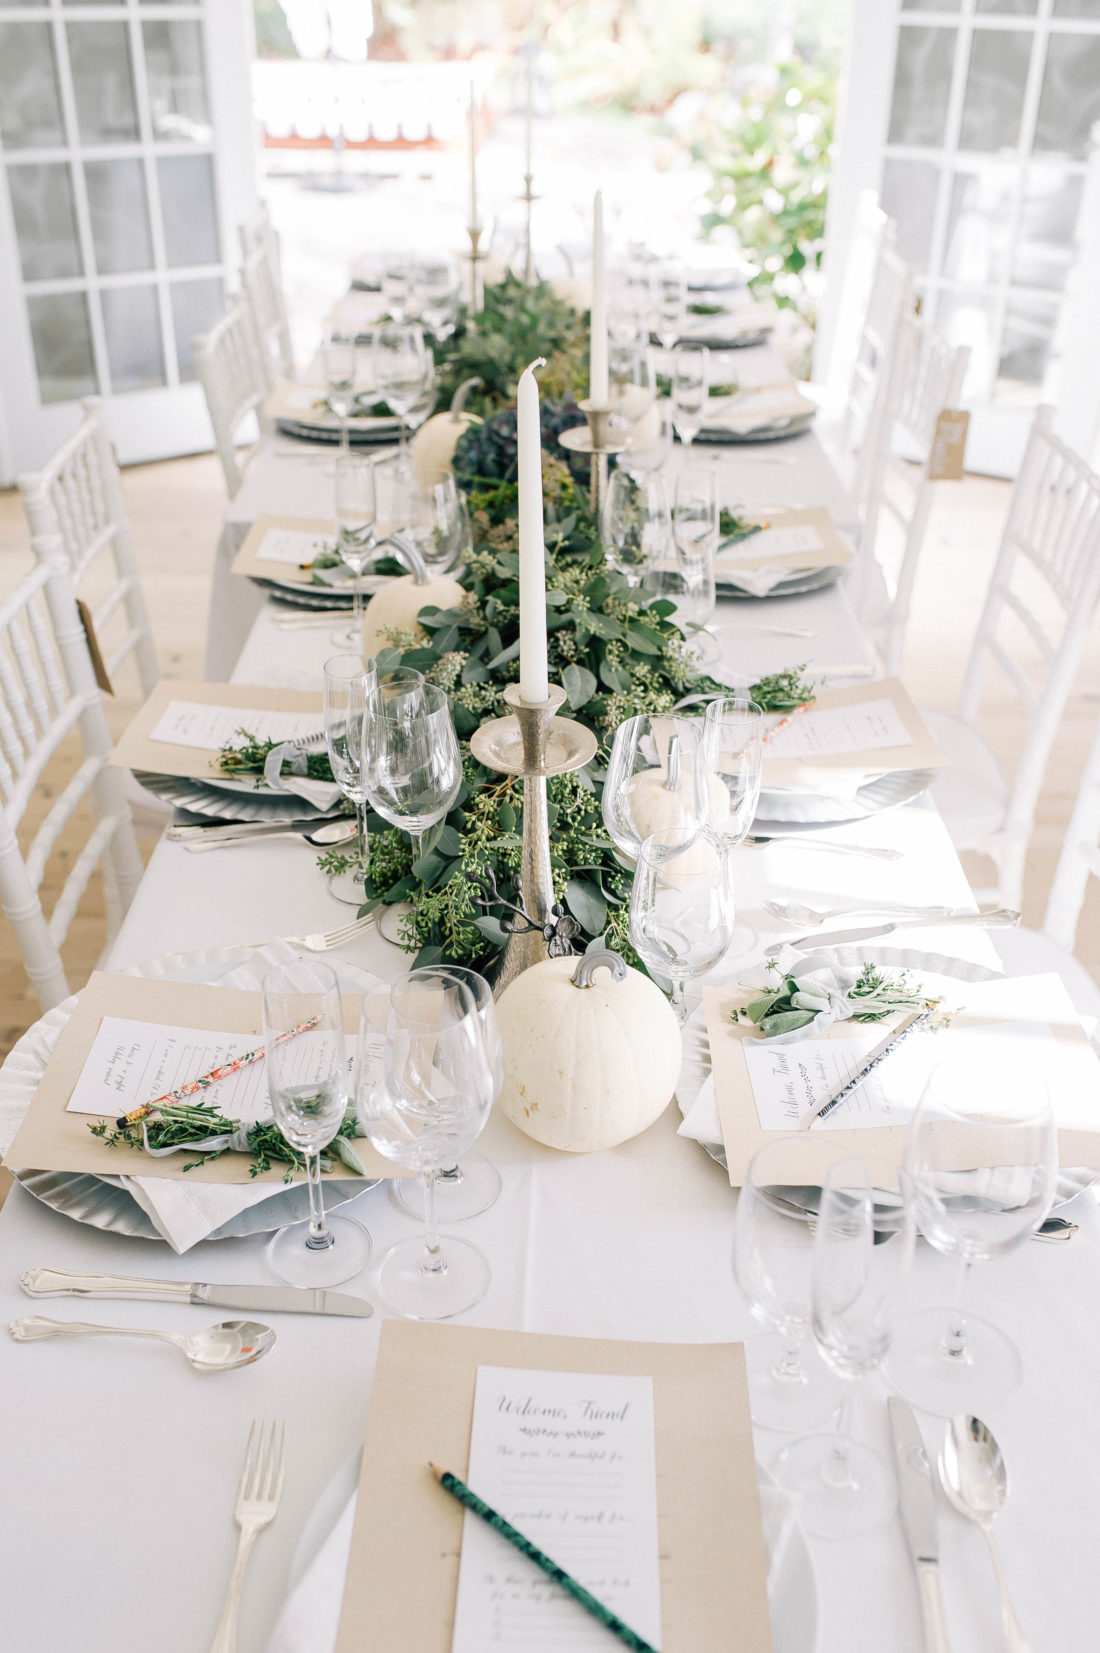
[
  {"x": 794, "y": 912},
  {"x": 333, "y": 832},
  {"x": 976, "y": 1483},
  {"x": 219, "y": 1348}
]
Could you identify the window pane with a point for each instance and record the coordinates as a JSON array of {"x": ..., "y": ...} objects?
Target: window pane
[
  {"x": 131, "y": 321},
  {"x": 103, "y": 82},
  {"x": 30, "y": 112},
  {"x": 979, "y": 225},
  {"x": 930, "y": 5},
  {"x": 922, "y": 80},
  {"x": 189, "y": 209},
  {"x": 1025, "y": 347},
  {"x": 62, "y": 346},
  {"x": 909, "y": 190},
  {"x": 1077, "y": 8},
  {"x": 196, "y": 306},
  {"x": 995, "y": 89},
  {"x": 1048, "y": 227},
  {"x": 1070, "y": 102},
  {"x": 45, "y": 224},
  {"x": 967, "y": 318},
  {"x": 177, "y": 81},
  {"x": 1010, "y": 7},
  {"x": 120, "y": 215}
]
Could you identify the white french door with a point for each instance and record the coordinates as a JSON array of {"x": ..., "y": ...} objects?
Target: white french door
[
  {"x": 973, "y": 120},
  {"x": 126, "y": 162}
]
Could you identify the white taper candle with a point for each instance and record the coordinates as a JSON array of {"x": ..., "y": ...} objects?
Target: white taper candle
[
  {"x": 475, "y": 222},
  {"x": 598, "y": 387},
  {"x": 534, "y": 681}
]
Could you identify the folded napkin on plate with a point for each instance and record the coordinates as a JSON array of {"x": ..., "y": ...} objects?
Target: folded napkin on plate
[
  {"x": 751, "y": 410},
  {"x": 310, "y": 1617},
  {"x": 756, "y": 581},
  {"x": 187, "y": 1212},
  {"x": 728, "y": 327},
  {"x": 285, "y": 771}
]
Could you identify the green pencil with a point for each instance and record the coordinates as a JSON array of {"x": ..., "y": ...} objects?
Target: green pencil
[{"x": 458, "y": 1489}]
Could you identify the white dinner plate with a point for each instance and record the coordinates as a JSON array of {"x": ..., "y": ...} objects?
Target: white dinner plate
[
  {"x": 361, "y": 432},
  {"x": 102, "y": 1202},
  {"x": 794, "y": 585},
  {"x": 226, "y": 801},
  {"x": 777, "y": 430},
  {"x": 810, "y": 809},
  {"x": 792, "y": 1593}
]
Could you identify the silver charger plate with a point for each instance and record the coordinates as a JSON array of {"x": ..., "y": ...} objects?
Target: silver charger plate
[
  {"x": 308, "y": 430},
  {"x": 795, "y": 585},
  {"x": 324, "y": 596},
  {"x": 813, "y": 809},
  {"x": 776, "y": 432},
  {"x": 230, "y": 805}
]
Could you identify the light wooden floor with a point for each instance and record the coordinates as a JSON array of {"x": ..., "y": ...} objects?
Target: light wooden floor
[{"x": 176, "y": 511}]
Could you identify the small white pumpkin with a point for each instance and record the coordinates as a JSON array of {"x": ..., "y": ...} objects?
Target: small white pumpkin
[
  {"x": 397, "y": 605},
  {"x": 434, "y": 444},
  {"x": 588, "y": 1061}
]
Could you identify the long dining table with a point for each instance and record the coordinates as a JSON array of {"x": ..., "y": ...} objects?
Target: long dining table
[{"x": 119, "y": 1464}]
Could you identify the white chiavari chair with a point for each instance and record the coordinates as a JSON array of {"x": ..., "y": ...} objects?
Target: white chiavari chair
[
  {"x": 77, "y": 496},
  {"x": 1033, "y": 628},
  {"x": 230, "y": 367},
  {"x": 261, "y": 284},
  {"x": 48, "y": 691}
]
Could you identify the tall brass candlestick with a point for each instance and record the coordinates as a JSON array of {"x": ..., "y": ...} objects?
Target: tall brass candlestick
[
  {"x": 477, "y": 259},
  {"x": 535, "y": 744},
  {"x": 595, "y": 438},
  {"x": 529, "y": 260}
]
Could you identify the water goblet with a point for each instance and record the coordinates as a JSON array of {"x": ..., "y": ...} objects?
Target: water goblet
[
  {"x": 347, "y": 681},
  {"x": 397, "y": 288},
  {"x": 657, "y": 779},
  {"x": 633, "y": 386},
  {"x": 340, "y": 364},
  {"x": 636, "y": 525},
  {"x": 668, "y": 294},
  {"x": 356, "y": 533},
  {"x": 790, "y": 1387},
  {"x": 433, "y": 517},
  {"x": 400, "y": 362},
  {"x": 695, "y": 533},
  {"x": 413, "y": 765},
  {"x": 307, "y": 1081},
  {"x": 690, "y": 378},
  {"x": 424, "y": 1092},
  {"x": 468, "y": 1189},
  {"x": 981, "y": 1165},
  {"x": 681, "y": 906},
  {"x": 438, "y": 286},
  {"x": 424, "y": 404},
  {"x": 651, "y": 441},
  {"x": 845, "y": 1488},
  {"x": 733, "y": 756}
]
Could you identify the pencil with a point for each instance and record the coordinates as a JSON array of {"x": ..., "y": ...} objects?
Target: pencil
[
  {"x": 871, "y": 1064},
  {"x": 136, "y": 1115},
  {"x": 458, "y": 1489}
]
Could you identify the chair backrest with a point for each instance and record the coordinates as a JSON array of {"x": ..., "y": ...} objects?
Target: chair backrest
[
  {"x": 1036, "y": 618},
  {"x": 890, "y": 298},
  {"x": 261, "y": 284},
  {"x": 926, "y": 376},
  {"x": 77, "y": 497},
  {"x": 47, "y": 691},
  {"x": 230, "y": 369},
  {"x": 1080, "y": 857}
]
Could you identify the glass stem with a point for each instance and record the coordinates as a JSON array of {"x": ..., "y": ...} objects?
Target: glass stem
[
  {"x": 320, "y": 1236},
  {"x": 953, "y": 1345},
  {"x": 677, "y": 999},
  {"x": 837, "y": 1468},
  {"x": 432, "y": 1261},
  {"x": 453, "y": 1176},
  {"x": 356, "y": 614},
  {"x": 788, "y": 1368},
  {"x": 418, "y": 845},
  {"x": 345, "y": 440},
  {"x": 361, "y": 834}
]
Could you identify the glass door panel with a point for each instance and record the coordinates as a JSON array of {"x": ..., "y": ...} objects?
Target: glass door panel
[
  {"x": 176, "y": 78},
  {"x": 189, "y": 207},
  {"x": 922, "y": 84},
  {"x": 30, "y": 108},
  {"x": 1070, "y": 102},
  {"x": 119, "y": 213},
  {"x": 995, "y": 81},
  {"x": 45, "y": 220},
  {"x": 103, "y": 82},
  {"x": 62, "y": 346}
]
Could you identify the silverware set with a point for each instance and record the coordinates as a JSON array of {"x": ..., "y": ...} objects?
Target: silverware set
[
  {"x": 320, "y": 832},
  {"x": 998, "y": 918},
  {"x": 973, "y": 1478}
]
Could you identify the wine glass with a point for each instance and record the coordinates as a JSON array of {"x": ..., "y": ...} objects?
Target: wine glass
[
  {"x": 397, "y": 288},
  {"x": 981, "y": 1164},
  {"x": 424, "y": 405},
  {"x": 681, "y": 906},
  {"x": 633, "y": 385},
  {"x": 636, "y": 523},
  {"x": 307, "y": 1081},
  {"x": 414, "y": 769},
  {"x": 690, "y": 377},
  {"x": 340, "y": 362},
  {"x": 844, "y": 1488},
  {"x": 790, "y": 1387},
  {"x": 347, "y": 680},
  {"x": 733, "y": 757},
  {"x": 425, "y": 1088},
  {"x": 657, "y": 778},
  {"x": 650, "y": 441},
  {"x": 433, "y": 518},
  {"x": 468, "y": 1189},
  {"x": 356, "y": 532},
  {"x": 400, "y": 363},
  {"x": 668, "y": 293},
  {"x": 695, "y": 533},
  {"x": 438, "y": 286}
]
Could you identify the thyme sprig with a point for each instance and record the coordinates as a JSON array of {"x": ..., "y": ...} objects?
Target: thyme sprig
[{"x": 185, "y": 1125}]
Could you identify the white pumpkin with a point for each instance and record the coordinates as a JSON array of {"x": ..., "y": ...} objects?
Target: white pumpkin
[
  {"x": 434, "y": 444},
  {"x": 588, "y": 1063},
  {"x": 397, "y": 605}
]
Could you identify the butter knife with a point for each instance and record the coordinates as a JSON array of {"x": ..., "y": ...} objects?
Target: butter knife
[
  {"x": 918, "y": 1518},
  {"x": 59, "y": 1282},
  {"x": 998, "y": 918}
]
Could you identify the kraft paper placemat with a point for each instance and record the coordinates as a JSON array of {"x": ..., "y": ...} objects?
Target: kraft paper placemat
[
  {"x": 248, "y": 559},
  {"x": 52, "y": 1139},
  {"x": 922, "y": 751},
  {"x": 135, "y": 750},
  {"x": 405, "y": 1550},
  {"x": 1014, "y": 998},
  {"x": 746, "y": 554}
]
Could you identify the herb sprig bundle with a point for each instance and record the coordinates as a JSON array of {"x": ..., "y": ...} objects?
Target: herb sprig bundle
[
  {"x": 796, "y": 1002},
  {"x": 187, "y": 1125}
]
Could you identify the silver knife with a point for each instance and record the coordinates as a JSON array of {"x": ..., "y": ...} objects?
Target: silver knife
[
  {"x": 918, "y": 1517},
  {"x": 59, "y": 1282},
  {"x": 999, "y": 917}
]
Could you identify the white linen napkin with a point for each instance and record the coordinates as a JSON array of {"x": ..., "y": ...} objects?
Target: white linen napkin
[
  {"x": 756, "y": 581},
  {"x": 748, "y": 411},
  {"x": 310, "y": 1617}
]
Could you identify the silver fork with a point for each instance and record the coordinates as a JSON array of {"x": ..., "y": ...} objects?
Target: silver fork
[
  {"x": 326, "y": 939},
  {"x": 258, "y": 1498}
]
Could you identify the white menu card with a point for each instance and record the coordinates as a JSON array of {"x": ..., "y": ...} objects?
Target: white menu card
[
  {"x": 209, "y": 727},
  {"x": 292, "y": 545},
  {"x": 824, "y": 732},
  {"x": 569, "y": 1459}
]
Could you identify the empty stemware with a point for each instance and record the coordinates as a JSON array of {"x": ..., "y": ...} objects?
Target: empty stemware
[
  {"x": 690, "y": 378},
  {"x": 400, "y": 365},
  {"x": 695, "y": 533},
  {"x": 681, "y": 906},
  {"x": 657, "y": 779},
  {"x": 340, "y": 363},
  {"x": 347, "y": 678},
  {"x": 668, "y": 294},
  {"x": 356, "y": 532},
  {"x": 413, "y": 768},
  {"x": 636, "y": 526}
]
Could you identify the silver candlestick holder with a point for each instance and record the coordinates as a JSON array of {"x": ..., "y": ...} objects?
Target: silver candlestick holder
[
  {"x": 533, "y": 743},
  {"x": 597, "y": 439},
  {"x": 477, "y": 279},
  {"x": 529, "y": 199}
]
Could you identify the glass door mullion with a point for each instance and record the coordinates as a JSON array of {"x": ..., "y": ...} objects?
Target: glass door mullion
[
  {"x": 152, "y": 195},
  {"x": 952, "y": 128},
  {"x": 80, "y": 200}
]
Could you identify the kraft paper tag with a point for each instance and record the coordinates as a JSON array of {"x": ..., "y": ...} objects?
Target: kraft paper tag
[
  {"x": 945, "y": 463},
  {"x": 98, "y": 666}
]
